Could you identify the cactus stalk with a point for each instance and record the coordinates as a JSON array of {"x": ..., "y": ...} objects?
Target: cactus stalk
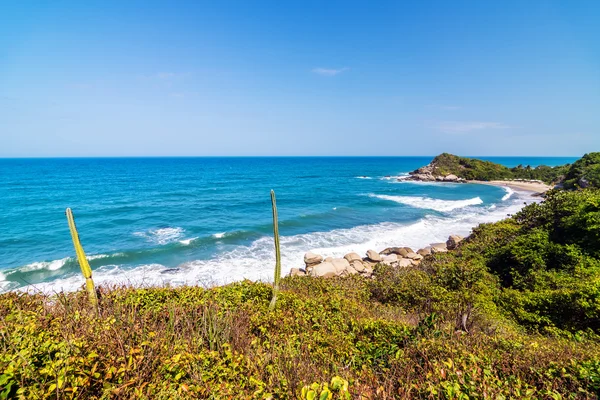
[
  {"x": 83, "y": 262},
  {"x": 277, "y": 251}
]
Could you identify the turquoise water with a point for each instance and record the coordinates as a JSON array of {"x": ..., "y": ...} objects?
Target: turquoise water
[{"x": 208, "y": 220}]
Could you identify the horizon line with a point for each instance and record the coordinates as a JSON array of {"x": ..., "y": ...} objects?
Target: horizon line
[{"x": 275, "y": 156}]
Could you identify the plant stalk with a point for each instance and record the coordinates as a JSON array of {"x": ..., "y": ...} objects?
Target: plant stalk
[
  {"x": 86, "y": 270},
  {"x": 277, "y": 251}
]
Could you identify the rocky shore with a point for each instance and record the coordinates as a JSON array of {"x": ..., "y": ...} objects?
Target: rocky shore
[{"x": 354, "y": 263}]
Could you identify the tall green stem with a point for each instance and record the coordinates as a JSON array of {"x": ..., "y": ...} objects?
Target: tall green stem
[
  {"x": 277, "y": 251},
  {"x": 83, "y": 262}
]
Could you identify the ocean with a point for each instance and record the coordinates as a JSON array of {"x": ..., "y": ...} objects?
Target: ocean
[{"x": 206, "y": 221}]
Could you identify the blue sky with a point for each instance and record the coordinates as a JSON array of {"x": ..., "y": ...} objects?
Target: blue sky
[{"x": 144, "y": 78}]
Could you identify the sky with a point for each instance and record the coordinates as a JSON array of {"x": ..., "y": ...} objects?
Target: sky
[{"x": 299, "y": 78}]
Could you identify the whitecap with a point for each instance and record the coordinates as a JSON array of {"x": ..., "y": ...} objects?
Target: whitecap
[
  {"x": 430, "y": 204},
  {"x": 509, "y": 193},
  {"x": 363, "y": 177},
  {"x": 219, "y": 235},
  {"x": 47, "y": 265},
  {"x": 161, "y": 235},
  {"x": 186, "y": 242}
]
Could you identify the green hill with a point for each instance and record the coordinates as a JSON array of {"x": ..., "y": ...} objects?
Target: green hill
[{"x": 474, "y": 169}]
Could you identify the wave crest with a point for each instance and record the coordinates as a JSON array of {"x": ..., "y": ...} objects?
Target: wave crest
[
  {"x": 161, "y": 235},
  {"x": 430, "y": 204}
]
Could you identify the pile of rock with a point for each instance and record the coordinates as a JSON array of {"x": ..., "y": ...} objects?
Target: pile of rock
[
  {"x": 434, "y": 178},
  {"x": 353, "y": 263}
]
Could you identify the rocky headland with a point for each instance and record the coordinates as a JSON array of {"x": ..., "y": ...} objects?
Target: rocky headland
[{"x": 450, "y": 168}]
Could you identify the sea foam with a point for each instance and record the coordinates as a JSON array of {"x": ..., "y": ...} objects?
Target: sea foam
[
  {"x": 509, "y": 193},
  {"x": 430, "y": 204},
  {"x": 162, "y": 235}
]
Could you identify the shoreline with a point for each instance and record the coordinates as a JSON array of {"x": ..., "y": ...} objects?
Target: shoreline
[{"x": 535, "y": 187}]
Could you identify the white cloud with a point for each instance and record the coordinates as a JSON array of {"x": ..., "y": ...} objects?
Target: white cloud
[
  {"x": 329, "y": 71},
  {"x": 468, "y": 126}
]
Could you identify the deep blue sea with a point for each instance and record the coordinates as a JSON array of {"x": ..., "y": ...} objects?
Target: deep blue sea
[{"x": 156, "y": 221}]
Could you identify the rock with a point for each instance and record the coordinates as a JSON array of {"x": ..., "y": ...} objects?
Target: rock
[
  {"x": 415, "y": 262},
  {"x": 352, "y": 256},
  {"x": 451, "y": 178},
  {"x": 368, "y": 271},
  {"x": 329, "y": 259},
  {"x": 358, "y": 265},
  {"x": 453, "y": 241},
  {"x": 351, "y": 271},
  {"x": 324, "y": 270},
  {"x": 340, "y": 264},
  {"x": 424, "y": 251},
  {"x": 438, "y": 248},
  {"x": 368, "y": 262},
  {"x": 583, "y": 183},
  {"x": 404, "y": 262},
  {"x": 311, "y": 259},
  {"x": 390, "y": 258},
  {"x": 297, "y": 272},
  {"x": 413, "y": 256},
  {"x": 390, "y": 250},
  {"x": 373, "y": 256}
]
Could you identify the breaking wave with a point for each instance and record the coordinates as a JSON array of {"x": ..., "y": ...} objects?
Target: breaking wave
[{"x": 430, "y": 204}]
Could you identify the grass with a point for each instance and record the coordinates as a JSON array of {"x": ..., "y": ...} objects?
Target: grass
[{"x": 224, "y": 342}]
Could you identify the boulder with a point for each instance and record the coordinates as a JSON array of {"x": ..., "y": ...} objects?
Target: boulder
[
  {"x": 369, "y": 263},
  {"x": 351, "y": 271},
  {"x": 390, "y": 258},
  {"x": 358, "y": 265},
  {"x": 311, "y": 259},
  {"x": 438, "y": 248},
  {"x": 324, "y": 270},
  {"x": 329, "y": 259},
  {"x": 297, "y": 272},
  {"x": 352, "y": 256},
  {"x": 413, "y": 256},
  {"x": 424, "y": 251},
  {"x": 415, "y": 262},
  {"x": 368, "y": 271},
  {"x": 453, "y": 241},
  {"x": 373, "y": 256},
  {"x": 451, "y": 178},
  {"x": 390, "y": 250},
  {"x": 404, "y": 262},
  {"x": 340, "y": 264}
]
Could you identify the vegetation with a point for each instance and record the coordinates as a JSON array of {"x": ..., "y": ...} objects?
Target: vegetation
[
  {"x": 474, "y": 169},
  {"x": 86, "y": 270},
  {"x": 513, "y": 312},
  {"x": 277, "y": 277},
  {"x": 584, "y": 172}
]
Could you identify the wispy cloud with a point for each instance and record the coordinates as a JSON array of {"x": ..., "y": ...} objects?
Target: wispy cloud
[
  {"x": 329, "y": 71},
  {"x": 468, "y": 126}
]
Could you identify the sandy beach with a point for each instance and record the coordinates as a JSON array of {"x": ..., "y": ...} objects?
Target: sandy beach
[{"x": 536, "y": 187}]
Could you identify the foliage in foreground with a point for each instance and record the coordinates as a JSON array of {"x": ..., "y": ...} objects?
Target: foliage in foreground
[{"x": 512, "y": 313}]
